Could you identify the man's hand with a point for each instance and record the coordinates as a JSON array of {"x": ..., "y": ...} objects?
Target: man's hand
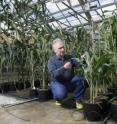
[
  {"x": 82, "y": 56},
  {"x": 83, "y": 60},
  {"x": 67, "y": 65}
]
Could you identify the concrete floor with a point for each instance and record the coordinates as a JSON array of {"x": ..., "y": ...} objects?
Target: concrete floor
[{"x": 36, "y": 112}]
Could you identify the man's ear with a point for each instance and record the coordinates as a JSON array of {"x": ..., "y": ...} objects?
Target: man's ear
[{"x": 54, "y": 49}]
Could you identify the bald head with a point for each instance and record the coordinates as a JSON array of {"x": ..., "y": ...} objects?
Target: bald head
[{"x": 58, "y": 47}]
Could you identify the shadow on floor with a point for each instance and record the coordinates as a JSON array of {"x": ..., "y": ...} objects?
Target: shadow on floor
[{"x": 69, "y": 102}]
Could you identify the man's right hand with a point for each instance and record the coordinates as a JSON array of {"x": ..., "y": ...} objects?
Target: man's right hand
[{"x": 67, "y": 65}]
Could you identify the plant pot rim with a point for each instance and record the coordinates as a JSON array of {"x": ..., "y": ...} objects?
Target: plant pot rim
[
  {"x": 89, "y": 102},
  {"x": 114, "y": 102},
  {"x": 42, "y": 89}
]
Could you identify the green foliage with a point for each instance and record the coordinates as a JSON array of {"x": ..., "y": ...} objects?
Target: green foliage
[
  {"x": 29, "y": 51},
  {"x": 101, "y": 61}
]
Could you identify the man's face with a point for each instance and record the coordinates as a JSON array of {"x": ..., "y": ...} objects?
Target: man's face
[{"x": 59, "y": 49}]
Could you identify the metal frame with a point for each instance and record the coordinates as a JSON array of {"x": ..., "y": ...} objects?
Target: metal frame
[{"x": 78, "y": 15}]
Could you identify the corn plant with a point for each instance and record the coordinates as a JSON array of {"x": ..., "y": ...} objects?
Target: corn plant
[
  {"x": 110, "y": 38},
  {"x": 100, "y": 70},
  {"x": 44, "y": 54}
]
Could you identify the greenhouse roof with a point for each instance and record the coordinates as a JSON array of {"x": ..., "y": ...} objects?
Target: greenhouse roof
[
  {"x": 65, "y": 14},
  {"x": 71, "y": 13}
]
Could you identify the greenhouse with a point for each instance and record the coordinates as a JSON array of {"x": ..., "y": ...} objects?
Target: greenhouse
[{"x": 58, "y": 61}]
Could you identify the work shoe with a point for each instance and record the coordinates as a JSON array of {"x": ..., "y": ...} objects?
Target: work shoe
[
  {"x": 58, "y": 103},
  {"x": 79, "y": 106}
]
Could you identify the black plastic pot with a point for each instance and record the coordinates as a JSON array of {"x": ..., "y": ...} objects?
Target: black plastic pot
[
  {"x": 12, "y": 87},
  {"x": 42, "y": 94},
  {"x": 0, "y": 89},
  {"x": 37, "y": 83},
  {"x": 5, "y": 87},
  {"x": 113, "y": 110},
  {"x": 33, "y": 93},
  {"x": 20, "y": 85},
  {"x": 27, "y": 84},
  {"x": 113, "y": 90},
  {"x": 95, "y": 112}
]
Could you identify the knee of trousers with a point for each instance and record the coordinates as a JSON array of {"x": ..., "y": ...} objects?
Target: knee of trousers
[{"x": 60, "y": 96}]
